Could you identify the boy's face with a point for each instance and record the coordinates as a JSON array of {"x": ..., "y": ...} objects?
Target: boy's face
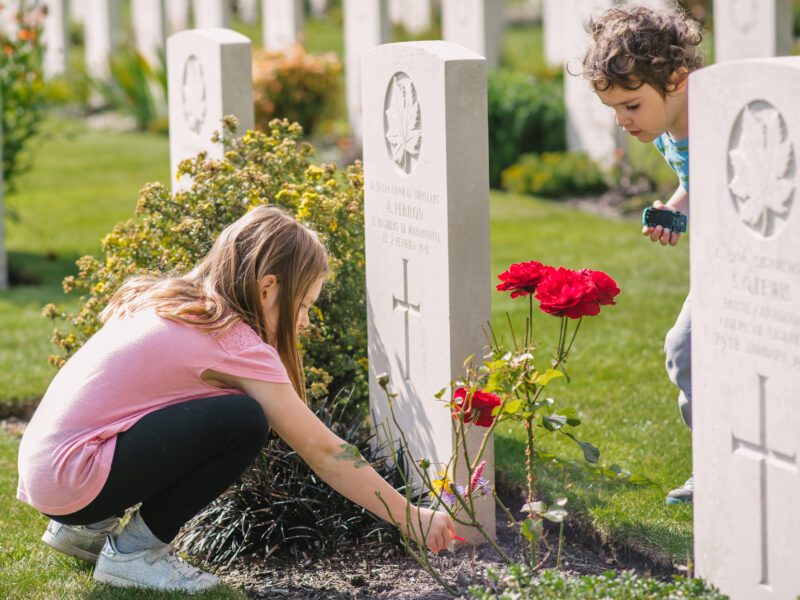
[{"x": 645, "y": 113}]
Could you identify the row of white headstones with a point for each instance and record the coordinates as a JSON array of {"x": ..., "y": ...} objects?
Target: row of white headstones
[
  {"x": 428, "y": 268},
  {"x": 282, "y": 23}
]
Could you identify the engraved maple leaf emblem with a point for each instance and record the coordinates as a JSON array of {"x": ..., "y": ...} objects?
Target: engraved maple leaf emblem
[
  {"x": 193, "y": 94},
  {"x": 761, "y": 163},
  {"x": 403, "y": 132}
]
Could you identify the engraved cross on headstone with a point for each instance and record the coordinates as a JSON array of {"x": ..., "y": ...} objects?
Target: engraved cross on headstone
[
  {"x": 404, "y": 305},
  {"x": 765, "y": 457}
]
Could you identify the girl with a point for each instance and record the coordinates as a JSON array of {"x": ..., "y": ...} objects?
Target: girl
[{"x": 170, "y": 401}]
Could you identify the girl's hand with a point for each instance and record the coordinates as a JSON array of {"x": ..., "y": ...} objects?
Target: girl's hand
[
  {"x": 658, "y": 233},
  {"x": 439, "y": 534}
]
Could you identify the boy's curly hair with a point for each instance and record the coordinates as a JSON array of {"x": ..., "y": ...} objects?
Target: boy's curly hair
[{"x": 634, "y": 45}]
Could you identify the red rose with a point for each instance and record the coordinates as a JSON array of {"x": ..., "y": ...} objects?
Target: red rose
[
  {"x": 606, "y": 287},
  {"x": 568, "y": 293},
  {"x": 522, "y": 279},
  {"x": 477, "y": 409}
]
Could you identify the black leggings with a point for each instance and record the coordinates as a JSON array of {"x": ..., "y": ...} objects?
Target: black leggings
[{"x": 176, "y": 460}]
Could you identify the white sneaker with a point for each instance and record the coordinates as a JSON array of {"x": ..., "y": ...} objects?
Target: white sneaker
[
  {"x": 76, "y": 540},
  {"x": 159, "y": 568}
]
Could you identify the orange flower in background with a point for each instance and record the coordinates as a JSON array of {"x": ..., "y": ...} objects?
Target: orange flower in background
[{"x": 27, "y": 35}]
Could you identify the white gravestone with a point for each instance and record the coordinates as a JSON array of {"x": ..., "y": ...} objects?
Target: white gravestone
[
  {"x": 100, "y": 33},
  {"x": 210, "y": 14},
  {"x": 209, "y": 77},
  {"x": 745, "y": 285},
  {"x": 55, "y": 39},
  {"x": 78, "y": 10},
  {"x": 554, "y": 17},
  {"x": 476, "y": 24},
  {"x": 283, "y": 24},
  {"x": 318, "y": 7},
  {"x": 426, "y": 208},
  {"x": 590, "y": 124},
  {"x": 752, "y": 29},
  {"x": 416, "y": 15},
  {"x": 8, "y": 17},
  {"x": 366, "y": 25},
  {"x": 149, "y": 28},
  {"x": 248, "y": 10},
  {"x": 396, "y": 11},
  {"x": 177, "y": 15}
]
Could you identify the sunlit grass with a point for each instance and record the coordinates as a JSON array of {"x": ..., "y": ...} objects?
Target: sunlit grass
[{"x": 618, "y": 383}]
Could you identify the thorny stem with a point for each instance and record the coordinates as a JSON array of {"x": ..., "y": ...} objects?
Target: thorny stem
[
  {"x": 511, "y": 330},
  {"x": 529, "y": 451},
  {"x": 529, "y": 338},
  {"x": 574, "y": 333}
]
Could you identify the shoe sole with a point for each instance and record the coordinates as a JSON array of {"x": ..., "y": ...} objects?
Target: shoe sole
[
  {"x": 114, "y": 580},
  {"x": 109, "y": 579},
  {"x": 672, "y": 501},
  {"x": 49, "y": 539}
]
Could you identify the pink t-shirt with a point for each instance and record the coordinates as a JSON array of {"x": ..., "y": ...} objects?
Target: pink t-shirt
[{"x": 131, "y": 367}]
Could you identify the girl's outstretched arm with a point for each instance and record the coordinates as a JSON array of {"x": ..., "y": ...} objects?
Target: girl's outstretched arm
[{"x": 299, "y": 427}]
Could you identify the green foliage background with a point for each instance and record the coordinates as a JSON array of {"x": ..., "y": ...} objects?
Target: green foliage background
[
  {"x": 526, "y": 115},
  {"x": 22, "y": 92}
]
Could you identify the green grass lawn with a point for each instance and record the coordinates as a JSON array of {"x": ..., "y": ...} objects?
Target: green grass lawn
[
  {"x": 83, "y": 182},
  {"x": 618, "y": 383}
]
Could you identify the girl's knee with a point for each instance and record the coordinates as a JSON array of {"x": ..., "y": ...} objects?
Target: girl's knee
[{"x": 251, "y": 422}]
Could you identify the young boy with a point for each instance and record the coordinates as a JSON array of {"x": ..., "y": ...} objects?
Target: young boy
[{"x": 638, "y": 64}]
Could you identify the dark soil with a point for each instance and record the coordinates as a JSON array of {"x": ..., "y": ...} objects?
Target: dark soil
[{"x": 390, "y": 573}]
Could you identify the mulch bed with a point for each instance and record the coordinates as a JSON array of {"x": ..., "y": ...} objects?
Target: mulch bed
[{"x": 390, "y": 573}]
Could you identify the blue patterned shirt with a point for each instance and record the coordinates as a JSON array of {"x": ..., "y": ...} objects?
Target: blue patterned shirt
[{"x": 676, "y": 153}]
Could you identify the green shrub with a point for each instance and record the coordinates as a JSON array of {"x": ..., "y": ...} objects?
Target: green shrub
[
  {"x": 297, "y": 86},
  {"x": 22, "y": 90},
  {"x": 525, "y": 115},
  {"x": 174, "y": 232},
  {"x": 280, "y": 505},
  {"x": 519, "y": 583},
  {"x": 555, "y": 175}
]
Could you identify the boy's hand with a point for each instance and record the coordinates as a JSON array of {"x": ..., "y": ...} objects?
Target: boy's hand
[
  {"x": 441, "y": 530},
  {"x": 659, "y": 233}
]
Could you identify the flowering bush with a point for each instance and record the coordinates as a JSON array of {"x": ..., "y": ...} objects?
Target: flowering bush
[
  {"x": 297, "y": 86},
  {"x": 509, "y": 385},
  {"x": 175, "y": 231},
  {"x": 22, "y": 89}
]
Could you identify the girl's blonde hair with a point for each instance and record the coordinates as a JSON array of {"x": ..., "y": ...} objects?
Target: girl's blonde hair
[
  {"x": 634, "y": 45},
  {"x": 223, "y": 288}
]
